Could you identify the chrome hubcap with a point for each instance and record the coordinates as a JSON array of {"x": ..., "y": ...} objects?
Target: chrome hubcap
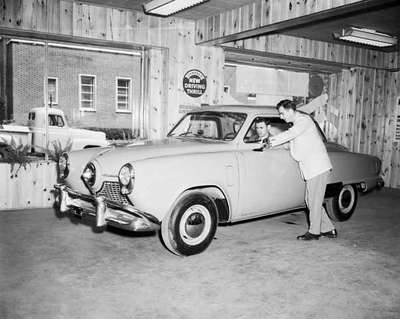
[
  {"x": 195, "y": 224},
  {"x": 346, "y": 199}
]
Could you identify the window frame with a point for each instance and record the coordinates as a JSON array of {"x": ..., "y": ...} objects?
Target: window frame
[
  {"x": 129, "y": 109},
  {"x": 86, "y": 109},
  {"x": 55, "y": 102}
]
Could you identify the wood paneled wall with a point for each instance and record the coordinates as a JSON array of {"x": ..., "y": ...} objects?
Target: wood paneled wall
[
  {"x": 265, "y": 12},
  {"x": 78, "y": 19},
  {"x": 362, "y": 106},
  {"x": 30, "y": 187}
]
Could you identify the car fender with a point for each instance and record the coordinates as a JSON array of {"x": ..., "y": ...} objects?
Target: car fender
[
  {"x": 355, "y": 168},
  {"x": 215, "y": 194},
  {"x": 81, "y": 143},
  {"x": 159, "y": 182}
]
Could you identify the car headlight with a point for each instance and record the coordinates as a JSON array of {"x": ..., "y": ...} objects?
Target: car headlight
[
  {"x": 89, "y": 174},
  {"x": 63, "y": 169},
  {"x": 126, "y": 177}
]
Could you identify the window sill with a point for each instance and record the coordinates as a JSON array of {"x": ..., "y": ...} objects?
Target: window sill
[{"x": 123, "y": 112}]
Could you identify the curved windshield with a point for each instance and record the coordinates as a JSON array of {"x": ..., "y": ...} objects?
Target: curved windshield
[{"x": 210, "y": 125}]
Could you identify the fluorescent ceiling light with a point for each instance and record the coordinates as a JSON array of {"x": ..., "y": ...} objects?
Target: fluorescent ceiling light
[
  {"x": 168, "y": 7},
  {"x": 367, "y": 36}
]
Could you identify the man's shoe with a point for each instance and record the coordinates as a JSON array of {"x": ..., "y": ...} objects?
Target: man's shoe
[
  {"x": 308, "y": 236},
  {"x": 330, "y": 234}
]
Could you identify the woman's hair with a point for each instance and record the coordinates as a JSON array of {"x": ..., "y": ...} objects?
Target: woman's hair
[{"x": 286, "y": 104}]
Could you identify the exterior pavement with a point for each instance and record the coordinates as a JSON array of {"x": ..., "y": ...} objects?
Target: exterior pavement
[{"x": 59, "y": 267}]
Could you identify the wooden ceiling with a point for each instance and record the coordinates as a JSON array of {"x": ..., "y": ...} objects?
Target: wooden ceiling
[
  {"x": 207, "y": 9},
  {"x": 379, "y": 15}
]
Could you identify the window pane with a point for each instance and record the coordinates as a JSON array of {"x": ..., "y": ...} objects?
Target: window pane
[
  {"x": 52, "y": 90},
  {"x": 87, "y": 92},
  {"x": 123, "y": 94},
  {"x": 86, "y": 104},
  {"x": 87, "y": 88},
  {"x": 60, "y": 121},
  {"x": 87, "y": 80},
  {"x": 52, "y": 120},
  {"x": 122, "y": 91},
  {"x": 86, "y": 96},
  {"x": 123, "y": 83}
]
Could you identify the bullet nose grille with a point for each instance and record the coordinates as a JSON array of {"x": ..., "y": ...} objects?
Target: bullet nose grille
[{"x": 112, "y": 191}]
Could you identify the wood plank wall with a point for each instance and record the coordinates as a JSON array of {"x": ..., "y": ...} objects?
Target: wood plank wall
[
  {"x": 74, "y": 18},
  {"x": 30, "y": 187},
  {"x": 264, "y": 12},
  {"x": 362, "y": 106}
]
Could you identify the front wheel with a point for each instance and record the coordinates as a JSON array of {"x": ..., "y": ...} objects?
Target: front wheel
[
  {"x": 341, "y": 207},
  {"x": 191, "y": 226}
]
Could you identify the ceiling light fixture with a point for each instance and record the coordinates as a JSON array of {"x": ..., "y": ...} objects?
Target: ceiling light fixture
[
  {"x": 366, "y": 36},
  {"x": 167, "y": 7}
]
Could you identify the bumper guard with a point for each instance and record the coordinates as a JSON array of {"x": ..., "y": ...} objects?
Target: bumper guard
[{"x": 106, "y": 211}]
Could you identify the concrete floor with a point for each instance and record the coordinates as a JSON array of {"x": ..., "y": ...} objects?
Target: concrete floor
[{"x": 52, "y": 267}]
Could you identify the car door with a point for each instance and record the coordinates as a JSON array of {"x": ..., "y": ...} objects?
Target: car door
[{"x": 270, "y": 181}]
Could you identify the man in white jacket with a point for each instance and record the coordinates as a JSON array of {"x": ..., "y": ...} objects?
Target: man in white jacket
[{"x": 308, "y": 149}]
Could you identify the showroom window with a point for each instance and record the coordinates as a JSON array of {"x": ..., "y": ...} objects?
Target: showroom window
[
  {"x": 123, "y": 94},
  {"x": 52, "y": 91},
  {"x": 87, "y": 92}
]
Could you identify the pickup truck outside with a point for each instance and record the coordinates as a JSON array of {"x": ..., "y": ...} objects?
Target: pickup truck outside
[{"x": 59, "y": 131}]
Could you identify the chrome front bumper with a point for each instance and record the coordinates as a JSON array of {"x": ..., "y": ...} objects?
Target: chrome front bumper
[{"x": 106, "y": 211}]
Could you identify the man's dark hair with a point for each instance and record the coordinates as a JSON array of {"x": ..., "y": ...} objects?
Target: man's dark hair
[
  {"x": 261, "y": 119},
  {"x": 286, "y": 104}
]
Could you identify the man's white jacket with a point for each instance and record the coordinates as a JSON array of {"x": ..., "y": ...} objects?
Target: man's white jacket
[{"x": 306, "y": 146}]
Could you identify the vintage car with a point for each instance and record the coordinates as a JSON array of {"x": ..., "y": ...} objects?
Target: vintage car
[{"x": 207, "y": 171}]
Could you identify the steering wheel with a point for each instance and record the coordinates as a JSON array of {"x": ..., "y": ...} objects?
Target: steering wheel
[
  {"x": 229, "y": 136},
  {"x": 265, "y": 140}
]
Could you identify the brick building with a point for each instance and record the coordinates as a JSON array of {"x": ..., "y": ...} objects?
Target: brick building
[{"x": 94, "y": 87}]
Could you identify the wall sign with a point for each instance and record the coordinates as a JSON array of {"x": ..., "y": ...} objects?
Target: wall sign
[{"x": 194, "y": 83}]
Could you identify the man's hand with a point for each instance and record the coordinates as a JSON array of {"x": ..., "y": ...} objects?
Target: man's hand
[{"x": 266, "y": 143}]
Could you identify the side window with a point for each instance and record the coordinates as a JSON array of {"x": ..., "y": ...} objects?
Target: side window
[
  {"x": 263, "y": 127},
  {"x": 60, "y": 121},
  {"x": 52, "y": 120},
  {"x": 56, "y": 120}
]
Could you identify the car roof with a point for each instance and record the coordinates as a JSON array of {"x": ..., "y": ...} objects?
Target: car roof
[{"x": 249, "y": 109}]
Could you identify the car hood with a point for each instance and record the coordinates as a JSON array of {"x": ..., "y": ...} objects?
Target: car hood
[{"x": 117, "y": 156}]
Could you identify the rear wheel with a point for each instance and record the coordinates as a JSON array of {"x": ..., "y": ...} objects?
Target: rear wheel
[
  {"x": 191, "y": 226},
  {"x": 341, "y": 207}
]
